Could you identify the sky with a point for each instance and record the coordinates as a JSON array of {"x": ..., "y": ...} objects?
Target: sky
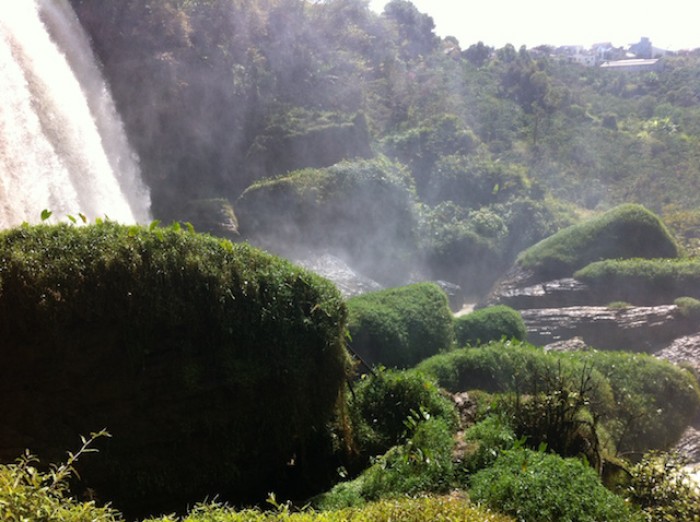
[{"x": 670, "y": 24}]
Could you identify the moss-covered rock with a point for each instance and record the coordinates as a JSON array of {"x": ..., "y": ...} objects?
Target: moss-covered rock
[
  {"x": 361, "y": 211},
  {"x": 210, "y": 363},
  {"x": 489, "y": 324},
  {"x": 400, "y": 326},
  {"x": 625, "y": 232}
]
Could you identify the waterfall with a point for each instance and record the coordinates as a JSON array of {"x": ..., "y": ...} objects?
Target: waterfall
[{"x": 62, "y": 143}]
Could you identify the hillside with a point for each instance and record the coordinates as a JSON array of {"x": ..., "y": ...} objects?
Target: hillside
[{"x": 504, "y": 146}]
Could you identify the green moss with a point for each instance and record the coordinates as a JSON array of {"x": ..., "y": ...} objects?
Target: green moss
[
  {"x": 489, "y": 324},
  {"x": 400, "y": 326},
  {"x": 210, "y": 363},
  {"x": 628, "y": 231},
  {"x": 644, "y": 281}
]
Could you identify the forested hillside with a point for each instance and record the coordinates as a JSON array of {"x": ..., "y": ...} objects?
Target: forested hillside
[{"x": 502, "y": 146}]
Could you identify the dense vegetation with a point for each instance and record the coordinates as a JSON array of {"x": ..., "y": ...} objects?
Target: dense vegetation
[
  {"x": 210, "y": 363},
  {"x": 489, "y": 324},
  {"x": 644, "y": 281},
  {"x": 220, "y": 370},
  {"x": 499, "y": 143},
  {"x": 627, "y": 231},
  {"x": 400, "y": 326}
]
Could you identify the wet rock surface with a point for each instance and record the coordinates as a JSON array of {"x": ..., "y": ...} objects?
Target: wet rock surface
[{"x": 638, "y": 329}]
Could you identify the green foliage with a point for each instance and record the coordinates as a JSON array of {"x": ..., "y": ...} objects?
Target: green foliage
[
  {"x": 382, "y": 402},
  {"x": 489, "y": 324},
  {"x": 209, "y": 361},
  {"x": 688, "y": 307},
  {"x": 439, "y": 509},
  {"x": 400, "y": 326},
  {"x": 628, "y": 231},
  {"x": 28, "y": 494},
  {"x": 486, "y": 440},
  {"x": 654, "y": 400},
  {"x": 663, "y": 489},
  {"x": 540, "y": 487},
  {"x": 423, "y": 464},
  {"x": 644, "y": 281},
  {"x": 515, "y": 367}
]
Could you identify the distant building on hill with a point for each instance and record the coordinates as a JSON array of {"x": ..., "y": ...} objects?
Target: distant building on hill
[{"x": 634, "y": 65}]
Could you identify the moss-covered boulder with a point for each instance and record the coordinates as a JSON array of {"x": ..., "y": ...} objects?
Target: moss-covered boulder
[
  {"x": 489, "y": 324},
  {"x": 211, "y": 364},
  {"x": 361, "y": 211},
  {"x": 627, "y": 231},
  {"x": 400, "y": 327}
]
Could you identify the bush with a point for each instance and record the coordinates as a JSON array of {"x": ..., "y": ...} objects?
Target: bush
[
  {"x": 32, "y": 495},
  {"x": 489, "y": 324},
  {"x": 662, "y": 488},
  {"x": 655, "y": 401},
  {"x": 628, "y": 231},
  {"x": 644, "y": 281},
  {"x": 486, "y": 440},
  {"x": 210, "y": 363},
  {"x": 383, "y": 401},
  {"x": 421, "y": 465},
  {"x": 511, "y": 366},
  {"x": 400, "y": 326},
  {"x": 540, "y": 487}
]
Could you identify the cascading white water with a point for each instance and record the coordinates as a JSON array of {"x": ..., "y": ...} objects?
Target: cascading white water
[{"x": 62, "y": 143}]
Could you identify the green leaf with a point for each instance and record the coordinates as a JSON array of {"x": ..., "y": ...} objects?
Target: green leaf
[{"x": 45, "y": 214}]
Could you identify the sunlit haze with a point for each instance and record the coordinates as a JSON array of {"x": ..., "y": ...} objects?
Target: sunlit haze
[{"x": 670, "y": 25}]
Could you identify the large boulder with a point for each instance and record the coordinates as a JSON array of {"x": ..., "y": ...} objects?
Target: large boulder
[
  {"x": 213, "y": 365},
  {"x": 362, "y": 212}
]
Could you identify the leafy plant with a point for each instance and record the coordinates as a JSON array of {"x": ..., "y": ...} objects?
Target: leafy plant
[
  {"x": 28, "y": 494},
  {"x": 663, "y": 489},
  {"x": 541, "y": 487}
]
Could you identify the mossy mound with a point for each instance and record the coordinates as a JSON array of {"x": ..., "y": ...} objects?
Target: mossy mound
[
  {"x": 361, "y": 211},
  {"x": 489, "y": 324},
  {"x": 643, "y": 281},
  {"x": 210, "y": 363},
  {"x": 628, "y": 231},
  {"x": 400, "y": 327}
]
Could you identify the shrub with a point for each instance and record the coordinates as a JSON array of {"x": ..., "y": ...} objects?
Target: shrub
[
  {"x": 644, "y": 281},
  {"x": 654, "y": 400},
  {"x": 400, "y": 326},
  {"x": 511, "y": 366},
  {"x": 210, "y": 363},
  {"x": 486, "y": 440},
  {"x": 540, "y": 487},
  {"x": 26, "y": 493},
  {"x": 662, "y": 488},
  {"x": 423, "y": 464},
  {"x": 489, "y": 324},
  {"x": 383, "y": 401},
  {"x": 628, "y": 231}
]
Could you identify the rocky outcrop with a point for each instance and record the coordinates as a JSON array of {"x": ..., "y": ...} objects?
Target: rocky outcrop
[{"x": 638, "y": 329}]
